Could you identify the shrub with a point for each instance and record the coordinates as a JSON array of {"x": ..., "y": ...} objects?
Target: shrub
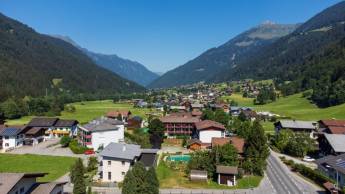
[
  {"x": 76, "y": 148},
  {"x": 65, "y": 140},
  {"x": 70, "y": 108},
  {"x": 92, "y": 164}
]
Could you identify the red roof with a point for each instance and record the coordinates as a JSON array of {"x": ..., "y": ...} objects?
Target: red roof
[
  {"x": 336, "y": 130},
  {"x": 175, "y": 119},
  {"x": 196, "y": 112},
  {"x": 219, "y": 141},
  {"x": 206, "y": 124},
  {"x": 237, "y": 142},
  {"x": 339, "y": 123}
]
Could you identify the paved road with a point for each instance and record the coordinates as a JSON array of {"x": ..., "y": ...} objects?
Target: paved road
[{"x": 284, "y": 181}]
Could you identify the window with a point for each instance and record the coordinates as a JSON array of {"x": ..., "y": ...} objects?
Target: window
[
  {"x": 123, "y": 173},
  {"x": 21, "y": 190},
  {"x": 6, "y": 137},
  {"x": 109, "y": 163},
  {"x": 6, "y": 144},
  {"x": 109, "y": 175},
  {"x": 123, "y": 163}
]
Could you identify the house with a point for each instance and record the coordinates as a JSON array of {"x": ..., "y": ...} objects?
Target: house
[
  {"x": 226, "y": 175},
  {"x": 198, "y": 175},
  {"x": 49, "y": 188},
  {"x": 197, "y": 107},
  {"x": 207, "y": 129},
  {"x": 124, "y": 114},
  {"x": 196, "y": 113},
  {"x": 118, "y": 158},
  {"x": 296, "y": 126},
  {"x": 178, "y": 108},
  {"x": 223, "y": 107},
  {"x": 179, "y": 125},
  {"x": 333, "y": 167},
  {"x": 17, "y": 183},
  {"x": 135, "y": 122},
  {"x": 12, "y": 137},
  {"x": 236, "y": 141},
  {"x": 194, "y": 144},
  {"x": 101, "y": 132},
  {"x": 54, "y": 127},
  {"x": 332, "y": 126},
  {"x": 34, "y": 135},
  {"x": 331, "y": 144}
]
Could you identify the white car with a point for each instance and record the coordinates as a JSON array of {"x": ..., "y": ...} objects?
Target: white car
[{"x": 308, "y": 159}]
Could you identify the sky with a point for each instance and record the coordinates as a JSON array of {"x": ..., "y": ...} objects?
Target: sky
[{"x": 161, "y": 34}]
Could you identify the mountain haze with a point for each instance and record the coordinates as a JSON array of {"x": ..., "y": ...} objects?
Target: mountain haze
[
  {"x": 125, "y": 68},
  {"x": 29, "y": 62},
  {"x": 226, "y": 56}
]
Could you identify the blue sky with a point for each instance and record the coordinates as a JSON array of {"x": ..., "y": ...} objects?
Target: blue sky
[{"x": 161, "y": 34}]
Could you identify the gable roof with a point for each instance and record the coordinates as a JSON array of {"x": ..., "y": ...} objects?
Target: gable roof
[
  {"x": 116, "y": 113},
  {"x": 34, "y": 130},
  {"x": 103, "y": 124},
  {"x": 335, "y": 162},
  {"x": 338, "y": 123},
  {"x": 336, "y": 141},
  {"x": 9, "y": 180},
  {"x": 47, "y": 188},
  {"x": 42, "y": 122},
  {"x": 219, "y": 141},
  {"x": 65, "y": 123},
  {"x": 194, "y": 141},
  {"x": 227, "y": 169},
  {"x": 336, "y": 130},
  {"x": 294, "y": 124},
  {"x": 178, "y": 119},
  {"x": 121, "y": 151},
  {"x": 208, "y": 124},
  {"x": 237, "y": 142},
  {"x": 11, "y": 131}
]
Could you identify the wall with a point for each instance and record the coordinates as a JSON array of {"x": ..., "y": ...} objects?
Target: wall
[
  {"x": 106, "y": 137},
  {"x": 116, "y": 168},
  {"x": 205, "y": 136}
]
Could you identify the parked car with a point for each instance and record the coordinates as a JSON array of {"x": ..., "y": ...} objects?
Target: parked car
[
  {"x": 308, "y": 159},
  {"x": 89, "y": 152}
]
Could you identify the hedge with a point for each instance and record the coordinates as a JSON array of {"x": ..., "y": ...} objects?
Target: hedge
[{"x": 76, "y": 148}]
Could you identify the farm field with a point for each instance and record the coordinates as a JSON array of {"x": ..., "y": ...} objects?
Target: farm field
[
  {"x": 56, "y": 166},
  {"x": 88, "y": 110},
  {"x": 169, "y": 178},
  {"x": 294, "y": 106}
]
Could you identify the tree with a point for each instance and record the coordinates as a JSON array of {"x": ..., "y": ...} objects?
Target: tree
[
  {"x": 208, "y": 114},
  {"x": 65, "y": 140},
  {"x": 225, "y": 155},
  {"x": 11, "y": 109},
  {"x": 221, "y": 117},
  {"x": 256, "y": 150},
  {"x": 119, "y": 117},
  {"x": 92, "y": 164},
  {"x": 77, "y": 177},
  {"x": 152, "y": 183},
  {"x": 136, "y": 180},
  {"x": 242, "y": 117},
  {"x": 156, "y": 131},
  {"x": 89, "y": 190}
]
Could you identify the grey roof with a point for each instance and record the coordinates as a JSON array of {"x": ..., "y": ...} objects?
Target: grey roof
[
  {"x": 47, "y": 188},
  {"x": 42, "y": 122},
  {"x": 11, "y": 131},
  {"x": 335, "y": 162},
  {"x": 9, "y": 180},
  {"x": 337, "y": 141},
  {"x": 103, "y": 124},
  {"x": 149, "y": 151},
  {"x": 293, "y": 124},
  {"x": 197, "y": 105},
  {"x": 121, "y": 151},
  {"x": 227, "y": 169}
]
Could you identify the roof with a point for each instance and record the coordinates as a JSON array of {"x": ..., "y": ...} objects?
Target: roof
[
  {"x": 148, "y": 159},
  {"x": 331, "y": 161},
  {"x": 208, "y": 124},
  {"x": 42, "y": 122},
  {"x": 198, "y": 172},
  {"x": 47, "y": 188},
  {"x": 197, "y": 105},
  {"x": 336, "y": 130},
  {"x": 116, "y": 113},
  {"x": 293, "y": 124},
  {"x": 65, "y": 123},
  {"x": 33, "y": 130},
  {"x": 149, "y": 151},
  {"x": 121, "y": 151},
  {"x": 9, "y": 180},
  {"x": 193, "y": 141},
  {"x": 238, "y": 143},
  {"x": 227, "y": 169},
  {"x": 178, "y": 107},
  {"x": 103, "y": 124},
  {"x": 219, "y": 141},
  {"x": 336, "y": 141},
  {"x": 177, "y": 119},
  {"x": 196, "y": 113},
  {"x": 11, "y": 131},
  {"x": 338, "y": 123}
]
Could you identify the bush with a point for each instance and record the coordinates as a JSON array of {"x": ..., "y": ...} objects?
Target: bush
[
  {"x": 92, "y": 164},
  {"x": 76, "y": 148},
  {"x": 65, "y": 140},
  {"x": 70, "y": 108}
]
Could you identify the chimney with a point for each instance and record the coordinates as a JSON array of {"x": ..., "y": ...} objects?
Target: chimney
[{"x": 124, "y": 147}]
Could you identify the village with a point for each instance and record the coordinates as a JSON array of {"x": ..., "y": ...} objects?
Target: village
[{"x": 193, "y": 139}]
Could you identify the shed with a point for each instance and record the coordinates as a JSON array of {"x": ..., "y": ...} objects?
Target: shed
[
  {"x": 227, "y": 175},
  {"x": 198, "y": 175}
]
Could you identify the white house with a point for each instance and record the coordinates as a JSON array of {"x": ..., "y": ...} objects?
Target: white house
[
  {"x": 118, "y": 158},
  {"x": 12, "y": 137},
  {"x": 101, "y": 132},
  {"x": 206, "y": 130}
]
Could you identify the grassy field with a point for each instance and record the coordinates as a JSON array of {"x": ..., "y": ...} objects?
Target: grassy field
[
  {"x": 88, "y": 110},
  {"x": 294, "y": 106},
  {"x": 56, "y": 166},
  {"x": 169, "y": 178}
]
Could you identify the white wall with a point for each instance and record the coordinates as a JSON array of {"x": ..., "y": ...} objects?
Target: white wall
[
  {"x": 106, "y": 137},
  {"x": 205, "y": 136},
  {"x": 12, "y": 142},
  {"x": 116, "y": 168}
]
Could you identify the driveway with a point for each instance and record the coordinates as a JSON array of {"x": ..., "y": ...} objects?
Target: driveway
[{"x": 49, "y": 147}]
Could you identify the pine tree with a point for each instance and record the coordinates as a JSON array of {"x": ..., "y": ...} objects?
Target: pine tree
[
  {"x": 152, "y": 183},
  {"x": 135, "y": 180},
  {"x": 79, "y": 182}
]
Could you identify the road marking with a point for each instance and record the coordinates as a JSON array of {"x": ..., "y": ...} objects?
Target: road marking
[
  {"x": 270, "y": 183},
  {"x": 276, "y": 175}
]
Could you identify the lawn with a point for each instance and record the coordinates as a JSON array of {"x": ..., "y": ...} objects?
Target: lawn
[
  {"x": 56, "y": 166},
  {"x": 294, "y": 106},
  {"x": 88, "y": 110},
  {"x": 169, "y": 178}
]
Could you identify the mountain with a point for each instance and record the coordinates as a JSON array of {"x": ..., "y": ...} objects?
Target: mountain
[
  {"x": 30, "y": 62},
  {"x": 128, "y": 69},
  {"x": 312, "y": 57},
  {"x": 226, "y": 56}
]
